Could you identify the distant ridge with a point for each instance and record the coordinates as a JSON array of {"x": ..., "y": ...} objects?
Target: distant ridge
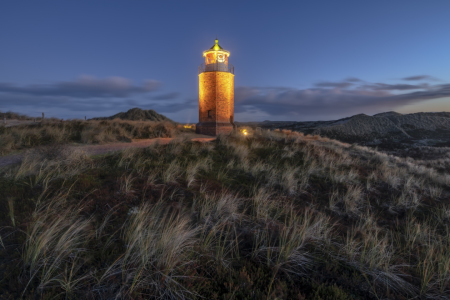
[
  {"x": 388, "y": 114},
  {"x": 388, "y": 125},
  {"x": 422, "y": 128},
  {"x": 362, "y": 126},
  {"x": 137, "y": 114}
]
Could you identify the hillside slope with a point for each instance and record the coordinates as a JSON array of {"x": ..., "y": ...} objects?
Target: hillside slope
[
  {"x": 266, "y": 216},
  {"x": 387, "y": 130},
  {"x": 362, "y": 127},
  {"x": 389, "y": 126},
  {"x": 137, "y": 114}
]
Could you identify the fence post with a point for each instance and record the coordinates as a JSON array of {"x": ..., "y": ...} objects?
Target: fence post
[
  {"x": 85, "y": 118},
  {"x": 42, "y": 118},
  {"x": 4, "y": 120}
]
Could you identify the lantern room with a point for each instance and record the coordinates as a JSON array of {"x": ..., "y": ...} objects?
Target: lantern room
[
  {"x": 216, "y": 59},
  {"x": 216, "y": 54}
]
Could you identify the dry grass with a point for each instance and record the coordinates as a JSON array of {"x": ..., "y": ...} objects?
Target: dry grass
[
  {"x": 86, "y": 132},
  {"x": 159, "y": 244},
  {"x": 274, "y": 215},
  {"x": 9, "y": 115},
  {"x": 56, "y": 240}
]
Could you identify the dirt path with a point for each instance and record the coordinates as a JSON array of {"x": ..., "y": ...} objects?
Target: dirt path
[{"x": 101, "y": 149}]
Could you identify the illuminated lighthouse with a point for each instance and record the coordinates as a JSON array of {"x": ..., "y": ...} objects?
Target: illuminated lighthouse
[{"x": 216, "y": 92}]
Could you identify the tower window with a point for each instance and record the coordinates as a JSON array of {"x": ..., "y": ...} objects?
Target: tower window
[{"x": 209, "y": 114}]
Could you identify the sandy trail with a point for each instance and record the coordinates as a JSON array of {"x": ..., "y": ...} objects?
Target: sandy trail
[{"x": 101, "y": 149}]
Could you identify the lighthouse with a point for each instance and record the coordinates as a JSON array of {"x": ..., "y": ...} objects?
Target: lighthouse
[{"x": 216, "y": 92}]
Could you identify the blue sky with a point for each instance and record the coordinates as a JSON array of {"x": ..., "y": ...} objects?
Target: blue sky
[{"x": 294, "y": 60}]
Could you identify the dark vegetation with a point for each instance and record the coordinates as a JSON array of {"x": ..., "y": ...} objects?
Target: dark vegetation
[
  {"x": 52, "y": 132},
  {"x": 137, "y": 114},
  {"x": 269, "y": 216},
  {"x": 390, "y": 131},
  {"x": 12, "y": 115}
]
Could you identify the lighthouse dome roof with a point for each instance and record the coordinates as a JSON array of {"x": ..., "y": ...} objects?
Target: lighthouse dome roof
[{"x": 216, "y": 47}]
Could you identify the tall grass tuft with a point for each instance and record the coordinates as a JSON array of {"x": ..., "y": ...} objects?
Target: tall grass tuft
[
  {"x": 11, "y": 210},
  {"x": 272, "y": 215},
  {"x": 159, "y": 244},
  {"x": 55, "y": 243}
]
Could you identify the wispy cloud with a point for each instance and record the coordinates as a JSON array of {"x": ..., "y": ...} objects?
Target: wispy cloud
[
  {"x": 84, "y": 87},
  {"x": 87, "y": 94},
  {"x": 353, "y": 79},
  {"x": 395, "y": 87},
  {"x": 420, "y": 77},
  {"x": 166, "y": 96},
  {"x": 175, "y": 107},
  {"x": 327, "y": 99},
  {"x": 334, "y": 98},
  {"x": 342, "y": 84}
]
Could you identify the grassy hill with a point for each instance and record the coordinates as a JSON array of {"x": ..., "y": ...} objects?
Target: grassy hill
[
  {"x": 389, "y": 131},
  {"x": 137, "y": 114},
  {"x": 51, "y": 133},
  {"x": 269, "y": 216},
  {"x": 388, "y": 125}
]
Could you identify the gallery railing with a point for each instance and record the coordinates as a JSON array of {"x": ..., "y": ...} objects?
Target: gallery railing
[{"x": 221, "y": 67}]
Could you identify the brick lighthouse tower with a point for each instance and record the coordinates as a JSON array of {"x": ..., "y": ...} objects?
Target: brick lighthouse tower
[{"x": 216, "y": 92}]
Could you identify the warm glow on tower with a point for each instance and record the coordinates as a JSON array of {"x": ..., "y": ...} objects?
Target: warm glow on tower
[{"x": 216, "y": 92}]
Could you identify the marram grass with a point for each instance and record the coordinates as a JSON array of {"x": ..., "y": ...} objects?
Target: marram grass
[{"x": 270, "y": 216}]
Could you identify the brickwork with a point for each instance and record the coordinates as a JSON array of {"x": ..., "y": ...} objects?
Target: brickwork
[
  {"x": 207, "y": 97},
  {"x": 214, "y": 128},
  {"x": 216, "y": 103}
]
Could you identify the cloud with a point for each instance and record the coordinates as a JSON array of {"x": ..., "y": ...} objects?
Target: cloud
[
  {"x": 311, "y": 103},
  {"x": 349, "y": 81},
  {"x": 88, "y": 95},
  {"x": 333, "y": 84},
  {"x": 84, "y": 87},
  {"x": 167, "y": 96},
  {"x": 393, "y": 87},
  {"x": 97, "y": 105},
  {"x": 175, "y": 107},
  {"x": 420, "y": 77},
  {"x": 353, "y": 79},
  {"x": 374, "y": 86},
  {"x": 102, "y": 97}
]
